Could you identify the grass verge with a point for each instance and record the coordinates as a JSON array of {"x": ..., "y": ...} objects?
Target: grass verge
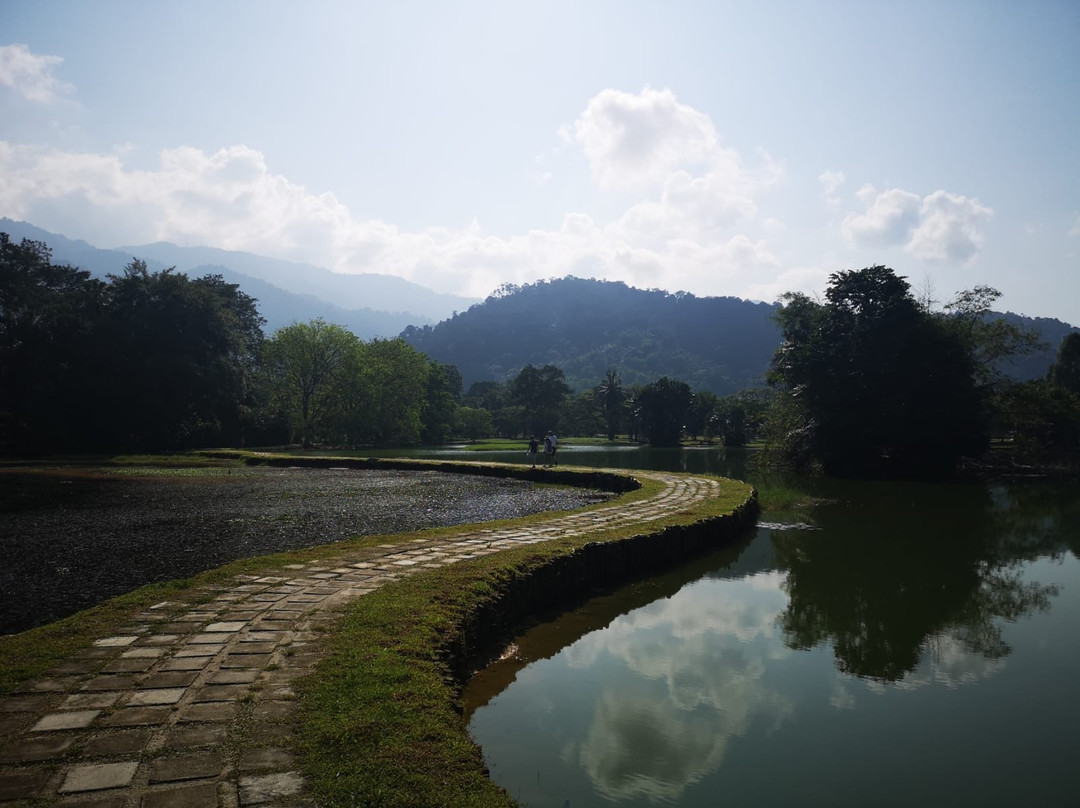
[{"x": 381, "y": 720}]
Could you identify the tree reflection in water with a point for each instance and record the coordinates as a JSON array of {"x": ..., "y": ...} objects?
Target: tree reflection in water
[{"x": 885, "y": 593}]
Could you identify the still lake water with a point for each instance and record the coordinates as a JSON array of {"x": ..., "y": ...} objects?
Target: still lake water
[{"x": 901, "y": 644}]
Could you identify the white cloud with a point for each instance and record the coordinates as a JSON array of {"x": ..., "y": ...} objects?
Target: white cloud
[
  {"x": 681, "y": 239},
  {"x": 1075, "y": 231},
  {"x": 889, "y": 219},
  {"x": 949, "y": 228},
  {"x": 940, "y": 227},
  {"x": 31, "y": 75},
  {"x": 830, "y": 183}
]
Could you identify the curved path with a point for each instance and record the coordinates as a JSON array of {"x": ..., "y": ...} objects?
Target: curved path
[{"x": 191, "y": 705}]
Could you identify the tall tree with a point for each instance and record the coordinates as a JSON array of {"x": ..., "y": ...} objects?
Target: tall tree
[
  {"x": 310, "y": 365},
  {"x": 1065, "y": 372},
  {"x": 664, "y": 406},
  {"x": 878, "y": 384},
  {"x": 609, "y": 393},
  {"x": 540, "y": 392}
]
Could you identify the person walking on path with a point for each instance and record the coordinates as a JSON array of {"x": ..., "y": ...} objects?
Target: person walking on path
[
  {"x": 554, "y": 449},
  {"x": 549, "y": 450},
  {"x": 534, "y": 449}
]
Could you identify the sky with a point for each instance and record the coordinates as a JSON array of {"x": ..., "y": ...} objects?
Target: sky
[{"x": 718, "y": 148}]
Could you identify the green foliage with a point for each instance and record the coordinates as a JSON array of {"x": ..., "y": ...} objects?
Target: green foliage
[
  {"x": 539, "y": 392},
  {"x": 142, "y": 361},
  {"x": 877, "y": 384},
  {"x": 311, "y": 367},
  {"x": 1065, "y": 372},
  {"x": 586, "y": 327},
  {"x": 664, "y": 406},
  {"x": 610, "y": 395}
]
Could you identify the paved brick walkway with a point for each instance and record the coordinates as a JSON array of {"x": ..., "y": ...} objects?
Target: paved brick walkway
[{"x": 192, "y": 706}]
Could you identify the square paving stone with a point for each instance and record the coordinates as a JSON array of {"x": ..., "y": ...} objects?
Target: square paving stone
[
  {"x": 78, "y": 719},
  {"x": 109, "y": 683},
  {"x": 129, "y": 665},
  {"x": 265, "y": 759},
  {"x": 187, "y": 737},
  {"x": 186, "y": 767},
  {"x": 262, "y": 636},
  {"x": 234, "y": 677},
  {"x": 167, "y": 695},
  {"x": 138, "y": 717},
  {"x": 22, "y": 784},
  {"x": 211, "y": 711},
  {"x": 269, "y": 787},
  {"x": 160, "y": 639},
  {"x": 29, "y": 750},
  {"x": 186, "y": 664},
  {"x": 98, "y": 776},
  {"x": 54, "y": 685},
  {"x": 225, "y": 628},
  {"x": 143, "y": 652},
  {"x": 115, "y": 642},
  {"x": 254, "y": 648},
  {"x": 221, "y": 693},
  {"x": 246, "y": 661},
  {"x": 90, "y": 701},
  {"x": 204, "y": 639},
  {"x": 200, "y": 796},
  {"x": 127, "y": 742},
  {"x": 170, "y": 679},
  {"x": 275, "y": 710},
  {"x": 199, "y": 651}
]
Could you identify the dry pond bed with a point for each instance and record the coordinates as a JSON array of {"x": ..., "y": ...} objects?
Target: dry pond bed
[{"x": 71, "y": 538}]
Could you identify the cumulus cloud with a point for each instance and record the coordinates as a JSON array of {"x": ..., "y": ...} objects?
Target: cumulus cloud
[
  {"x": 31, "y": 75},
  {"x": 941, "y": 227},
  {"x": 680, "y": 239},
  {"x": 830, "y": 184}
]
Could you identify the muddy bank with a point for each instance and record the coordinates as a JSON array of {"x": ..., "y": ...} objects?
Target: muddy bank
[{"x": 72, "y": 539}]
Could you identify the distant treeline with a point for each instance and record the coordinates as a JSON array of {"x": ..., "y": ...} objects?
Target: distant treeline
[{"x": 870, "y": 380}]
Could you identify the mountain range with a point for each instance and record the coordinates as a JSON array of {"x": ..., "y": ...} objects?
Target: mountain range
[{"x": 584, "y": 326}]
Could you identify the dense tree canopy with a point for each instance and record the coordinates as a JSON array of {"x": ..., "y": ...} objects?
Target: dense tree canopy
[{"x": 875, "y": 383}]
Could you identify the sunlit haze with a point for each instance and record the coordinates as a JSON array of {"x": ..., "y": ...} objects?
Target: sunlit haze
[{"x": 742, "y": 149}]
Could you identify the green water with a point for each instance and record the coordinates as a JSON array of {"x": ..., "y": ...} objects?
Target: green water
[{"x": 901, "y": 644}]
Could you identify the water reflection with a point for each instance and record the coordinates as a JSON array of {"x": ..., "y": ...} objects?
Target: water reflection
[
  {"x": 698, "y": 662},
  {"x": 940, "y": 571},
  {"x": 916, "y": 641}
]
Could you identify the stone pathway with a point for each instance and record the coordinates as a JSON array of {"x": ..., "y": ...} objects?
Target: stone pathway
[{"x": 191, "y": 706}]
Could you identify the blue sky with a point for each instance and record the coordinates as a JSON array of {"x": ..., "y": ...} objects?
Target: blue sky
[{"x": 742, "y": 149}]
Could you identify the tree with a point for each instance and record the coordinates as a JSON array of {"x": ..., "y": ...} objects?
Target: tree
[
  {"x": 395, "y": 379},
  {"x": 664, "y": 405},
  {"x": 609, "y": 393},
  {"x": 310, "y": 365},
  {"x": 50, "y": 367},
  {"x": 440, "y": 403},
  {"x": 876, "y": 383},
  {"x": 1065, "y": 372},
  {"x": 702, "y": 416},
  {"x": 473, "y": 423},
  {"x": 540, "y": 391}
]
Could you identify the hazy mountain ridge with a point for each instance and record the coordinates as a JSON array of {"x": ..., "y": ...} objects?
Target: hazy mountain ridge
[
  {"x": 720, "y": 344},
  {"x": 369, "y": 305}
]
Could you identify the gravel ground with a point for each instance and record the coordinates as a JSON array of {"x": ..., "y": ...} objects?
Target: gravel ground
[{"x": 70, "y": 539}]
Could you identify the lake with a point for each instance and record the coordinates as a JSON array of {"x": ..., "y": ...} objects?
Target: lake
[{"x": 898, "y": 644}]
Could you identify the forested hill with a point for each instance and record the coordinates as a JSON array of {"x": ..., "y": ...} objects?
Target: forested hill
[{"x": 721, "y": 344}]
